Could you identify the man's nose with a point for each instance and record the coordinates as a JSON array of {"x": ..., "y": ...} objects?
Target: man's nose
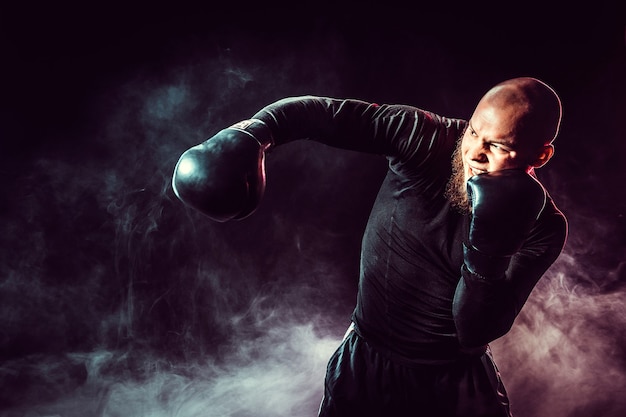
[{"x": 477, "y": 153}]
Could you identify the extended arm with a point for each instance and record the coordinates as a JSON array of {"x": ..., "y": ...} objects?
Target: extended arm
[
  {"x": 224, "y": 177},
  {"x": 402, "y": 133}
]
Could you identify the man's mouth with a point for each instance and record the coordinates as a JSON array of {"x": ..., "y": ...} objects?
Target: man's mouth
[{"x": 475, "y": 171}]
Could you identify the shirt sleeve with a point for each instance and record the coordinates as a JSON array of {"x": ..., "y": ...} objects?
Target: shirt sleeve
[
  {"x": 485, "y": 309},
  {"x": 406, "y": 135}
]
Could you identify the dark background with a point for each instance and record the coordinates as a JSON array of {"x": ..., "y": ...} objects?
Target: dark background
[{"x": 115, "y": 299}]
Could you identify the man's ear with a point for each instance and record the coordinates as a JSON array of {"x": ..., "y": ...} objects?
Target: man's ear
[{"x": 546, "y": 153}]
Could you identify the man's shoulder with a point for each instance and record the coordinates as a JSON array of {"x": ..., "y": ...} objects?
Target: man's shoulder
[
  {"x": 406, "y": 110},
  {"x": 553, "y": 220}
]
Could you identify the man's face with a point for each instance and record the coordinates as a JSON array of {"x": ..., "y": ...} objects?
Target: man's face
[{"x": 490, "y": 142}]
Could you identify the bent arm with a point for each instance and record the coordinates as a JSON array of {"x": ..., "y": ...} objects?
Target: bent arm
[{"x": 485, "y": 308}]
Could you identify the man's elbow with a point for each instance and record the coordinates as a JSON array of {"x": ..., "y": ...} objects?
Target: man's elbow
[{"x": 479, "y": 333}]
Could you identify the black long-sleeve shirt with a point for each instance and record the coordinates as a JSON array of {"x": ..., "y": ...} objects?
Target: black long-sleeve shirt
[{"x": 415, "y": 301}]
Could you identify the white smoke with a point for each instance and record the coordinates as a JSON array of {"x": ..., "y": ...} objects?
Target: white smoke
[
  {"x": 564, "y": 355},
  {"x": 278, "y": 374}
]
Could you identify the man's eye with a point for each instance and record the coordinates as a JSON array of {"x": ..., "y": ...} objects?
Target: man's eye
[{"x": 497, "y": 147}]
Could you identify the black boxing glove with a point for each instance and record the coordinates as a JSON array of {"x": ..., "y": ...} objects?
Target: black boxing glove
[
  {"x": 224, "y": 177},
  {"x": 505, "y": 205}
]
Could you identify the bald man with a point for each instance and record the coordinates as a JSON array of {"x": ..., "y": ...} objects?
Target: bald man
[{"x": 459, "y": 234}]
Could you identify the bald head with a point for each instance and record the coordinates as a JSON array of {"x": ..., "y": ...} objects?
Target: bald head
[{"x": 537, "y": 105}]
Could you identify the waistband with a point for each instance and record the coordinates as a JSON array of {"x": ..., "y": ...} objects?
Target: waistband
[{"x": 463, "y": 353}]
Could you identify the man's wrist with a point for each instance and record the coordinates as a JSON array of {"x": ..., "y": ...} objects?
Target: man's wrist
[
  {"x": 483, "y": 265},
  {"x": 257, "y": 129}
]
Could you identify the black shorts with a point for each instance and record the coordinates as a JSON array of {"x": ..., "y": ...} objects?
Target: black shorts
[{"x": 361, "y": 381}]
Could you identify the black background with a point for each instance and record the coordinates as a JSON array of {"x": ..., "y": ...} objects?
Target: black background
[{"x": 115, "y": 298}]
